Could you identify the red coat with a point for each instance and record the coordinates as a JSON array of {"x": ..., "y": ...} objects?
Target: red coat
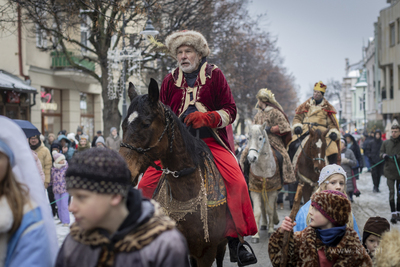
[{"x": 211, "y": 92}]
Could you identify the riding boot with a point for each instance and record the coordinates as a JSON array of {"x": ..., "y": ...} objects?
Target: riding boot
[
  {"x": 244, "y": 255},
  {"x": 332, "y": 159},
  {"x": 293, "y": 149}
]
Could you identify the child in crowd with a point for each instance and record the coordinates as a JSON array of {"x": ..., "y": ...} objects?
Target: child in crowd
[
  {"x": 27, "y": 232},
  {"x": 326, "y": 241},
  {"x": 373, "y": 230},
  {"x": 83, "y": 143},
  {"x": 332, "y": 177},
  {"x": 114, "y": 225},
  {"x": 59, "y": 187}
]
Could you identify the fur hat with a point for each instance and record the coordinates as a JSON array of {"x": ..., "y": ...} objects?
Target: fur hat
[
  {"x": 99, "y": 170},
  {"x": 189, "y": 38},
  {"x": 266, "y": 95},
  {"x": 334, "y": 205},
  {"x": 387, "y": 254},
  {"x": 71, "y": 137},
  {"x": 83, "y": 137},
  {"x": 57, "y": 157},
  {"x": 328, "y": 170},
  {"x": 319, "y": 86}
]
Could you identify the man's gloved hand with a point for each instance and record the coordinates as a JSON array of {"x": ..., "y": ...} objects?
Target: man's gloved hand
[
  {"x": 273, "y": 129},
  {"x": 268, "y": 129},
  {"x": 333, "y": 136},
  {"x": 199, "y": 119},
  {"x": 386, "y": 157},
  {"x": 298, "y": 130}
]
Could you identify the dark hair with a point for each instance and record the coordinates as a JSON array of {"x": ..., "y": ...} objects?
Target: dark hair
[{"x": 395, "y": 126}]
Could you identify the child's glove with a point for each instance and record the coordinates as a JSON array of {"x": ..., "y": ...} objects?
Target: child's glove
[{"x": 198, "y": 119}]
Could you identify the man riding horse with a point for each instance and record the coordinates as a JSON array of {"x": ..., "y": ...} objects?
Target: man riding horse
[
  {"x": 278, "y": 129},
  {"x": 199, "y": 94},
  {"x": 317, "y": 113}
]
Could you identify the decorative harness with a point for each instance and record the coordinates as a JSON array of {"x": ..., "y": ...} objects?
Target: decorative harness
[
  {"x": 169, "y": 127},
  {"x": 302, "y": 149}
]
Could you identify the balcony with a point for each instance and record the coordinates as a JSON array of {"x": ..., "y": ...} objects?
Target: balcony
[{"x": 59, "y": 61}]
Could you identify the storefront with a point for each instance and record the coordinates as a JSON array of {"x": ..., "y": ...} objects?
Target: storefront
[
  {"x": 51, "y": 107},
  {"x": 16, "y": 97}
]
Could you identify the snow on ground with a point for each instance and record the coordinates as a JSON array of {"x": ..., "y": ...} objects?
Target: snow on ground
[{"x": 63, "y": 231}]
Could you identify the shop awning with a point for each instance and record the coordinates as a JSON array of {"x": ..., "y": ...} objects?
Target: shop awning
[{"x": 12, "y": 82}]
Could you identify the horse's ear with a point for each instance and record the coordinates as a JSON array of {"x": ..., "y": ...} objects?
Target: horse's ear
[
  {"x": 131, "y": 91},
  {"x": 263, "y": 126},
  {"x": 153, "y": 92}
]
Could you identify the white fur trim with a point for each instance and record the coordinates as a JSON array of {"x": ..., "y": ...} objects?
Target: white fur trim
[
  {"x": 224, "y": 118},
  {"x": 189, "y": 38}
]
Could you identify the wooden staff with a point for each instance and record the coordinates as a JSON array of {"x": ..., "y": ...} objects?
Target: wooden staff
[{"x": 293, "y": 213}]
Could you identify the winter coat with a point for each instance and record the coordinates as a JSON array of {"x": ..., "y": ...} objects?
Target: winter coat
[
  {"x": 374, "y": 148},
  {"x": 113, "y": 143},
  {"x": 348, "y": 162},
  {"x": 29, "y": 245},
  {"x": 39, "y": 166},
  {"x": 304, "y": 247},
  {"x": 210, "y": 92},
  {"x": 391, "y": 147},
  {"x": 356, "y": 150},
  {"x": 274, "y": 117},
  {"x": 45, "y": 158},
  {"x": 71, "y": 149},
  {"x": 301, "y": 219},
  {"x": 365, "y": 145},
  {"x": 324, "y": 115},
  {"x": 83, "y": 148},
  {"x": 58, "y": 179},
  {"x": 150, "y": 241}
]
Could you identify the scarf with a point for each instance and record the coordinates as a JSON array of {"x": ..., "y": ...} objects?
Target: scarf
[
  {"x": 332, "y": 236},
  {"x": 59, "y": 166},
  {"x": 318, "y": 102}
]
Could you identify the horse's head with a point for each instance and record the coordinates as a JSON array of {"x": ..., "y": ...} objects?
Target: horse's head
[
  {"x": 142, "y": 129},
  {"x": 257, "y": 139},
  {"x": 317, "y": 148}
]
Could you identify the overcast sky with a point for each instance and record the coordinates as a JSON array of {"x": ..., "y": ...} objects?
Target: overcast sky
[{"x": 315, "y": 36}]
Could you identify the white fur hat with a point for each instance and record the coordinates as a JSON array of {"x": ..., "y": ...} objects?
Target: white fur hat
[
  {"x": 328, "y": 170},
  {"x": 189, "y": 38}
]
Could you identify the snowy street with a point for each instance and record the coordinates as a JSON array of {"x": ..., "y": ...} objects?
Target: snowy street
[{"x": 367, "y": 205}]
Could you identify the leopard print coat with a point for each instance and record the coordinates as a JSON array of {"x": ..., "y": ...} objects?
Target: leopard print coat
[{"x": 304, "y": 246}]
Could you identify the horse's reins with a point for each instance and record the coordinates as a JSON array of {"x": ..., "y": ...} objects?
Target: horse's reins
[
  {"x": 169, "y": 124},
  {"x": 258, "y": 151}
]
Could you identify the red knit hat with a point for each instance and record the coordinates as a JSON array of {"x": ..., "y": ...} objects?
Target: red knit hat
[{"x": 334, "y": 205}]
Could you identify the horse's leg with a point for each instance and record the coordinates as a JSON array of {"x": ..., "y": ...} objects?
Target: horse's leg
[
  {"x": 307, "y": 192},
  {"x": 256, "y": 197},
  {"x": 208, "y": 258},
  {"x": 221, "y": 253},
  {"x": 264, "y": 220},
  {"x": 193, "y": 262},
  {"x": 271, "y": 209}
]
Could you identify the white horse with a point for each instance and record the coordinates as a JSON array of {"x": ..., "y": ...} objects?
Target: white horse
[{"x": 264, "y": 179}]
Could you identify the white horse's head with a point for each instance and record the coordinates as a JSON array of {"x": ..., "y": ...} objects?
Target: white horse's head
[{"x": 260, "y": 154}]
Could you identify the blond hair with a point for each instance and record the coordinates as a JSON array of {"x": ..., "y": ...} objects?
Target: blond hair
[
  {"x": 322, "y": 187},
  {"x": 15, "y": 194}
]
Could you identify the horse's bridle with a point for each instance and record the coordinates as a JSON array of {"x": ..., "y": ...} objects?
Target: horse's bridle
[
  {"x": 169, "y": 124},
  {"x": 298, "y": 137}
]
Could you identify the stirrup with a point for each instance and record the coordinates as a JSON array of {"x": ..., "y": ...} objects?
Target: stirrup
[{"x": 239, "y": 263}]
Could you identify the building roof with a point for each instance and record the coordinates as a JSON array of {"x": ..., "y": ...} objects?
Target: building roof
[{"x": 12, "y": 82}]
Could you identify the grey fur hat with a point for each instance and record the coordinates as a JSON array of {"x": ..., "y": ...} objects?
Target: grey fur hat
[{"x": 189, "y": 38}]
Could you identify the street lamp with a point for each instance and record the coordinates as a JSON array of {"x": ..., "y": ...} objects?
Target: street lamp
[{"x": 149, "y": 29}]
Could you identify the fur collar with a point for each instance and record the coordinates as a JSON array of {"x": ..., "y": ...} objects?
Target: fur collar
[
  {"x": 349, "y": 251},
  {"x": 325, "y": 105},
  {"x": 135, "y": 240}
]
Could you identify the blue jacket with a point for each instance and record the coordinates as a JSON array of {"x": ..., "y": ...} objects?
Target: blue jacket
[
  {"x": 301, "y": 219},
  {"x": 71, "y": 150},
  {"x": 29, "y": 245}
]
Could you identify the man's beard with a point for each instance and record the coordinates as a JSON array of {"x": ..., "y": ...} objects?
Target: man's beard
[{"x": 192, "y": 67}]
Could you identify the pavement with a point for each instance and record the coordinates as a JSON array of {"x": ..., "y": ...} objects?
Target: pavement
[{"x": 369, "y": 204}]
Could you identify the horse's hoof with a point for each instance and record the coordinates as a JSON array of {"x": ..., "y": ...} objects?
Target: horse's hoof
[
  {"x": 263, "y": 227},
  {"x": 255, "y": 240}
]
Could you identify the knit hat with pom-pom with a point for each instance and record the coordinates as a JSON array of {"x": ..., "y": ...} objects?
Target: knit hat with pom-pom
[
  {"x": 57, "y": 157},
  {"x": 99, "y": 170}
]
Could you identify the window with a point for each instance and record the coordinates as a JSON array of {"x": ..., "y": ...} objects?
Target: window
[
  {"x": 392, "y": 34},
  {"x": 51, "y": 110},
  {"x": 391, "y": 82},
  {"x": 40, "y": 37},
  {"x": 361, "y": 103},
  {"x": 398, "y": 30},
  {"x": 87, "y": 114},
  {"x": 85, "y": 32}
]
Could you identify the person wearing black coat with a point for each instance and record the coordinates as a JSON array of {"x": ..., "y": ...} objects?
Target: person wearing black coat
[
  {"x": 374, "y": 148},
  {"x": 365, "y": 147},
  {"x": 353, "y": 146}
]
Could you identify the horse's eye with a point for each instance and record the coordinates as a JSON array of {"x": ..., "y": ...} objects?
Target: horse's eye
[
  {"x": 260, "y": 139},
  {"x": 146, "y": 124}
]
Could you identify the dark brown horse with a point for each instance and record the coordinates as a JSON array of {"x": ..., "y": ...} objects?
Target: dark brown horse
[
  {"x": 311, "y": 161},
  {"x": 151, "y": 131}
]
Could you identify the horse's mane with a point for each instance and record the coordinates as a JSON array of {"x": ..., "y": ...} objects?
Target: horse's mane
[{"x": 195, "y": 147}]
